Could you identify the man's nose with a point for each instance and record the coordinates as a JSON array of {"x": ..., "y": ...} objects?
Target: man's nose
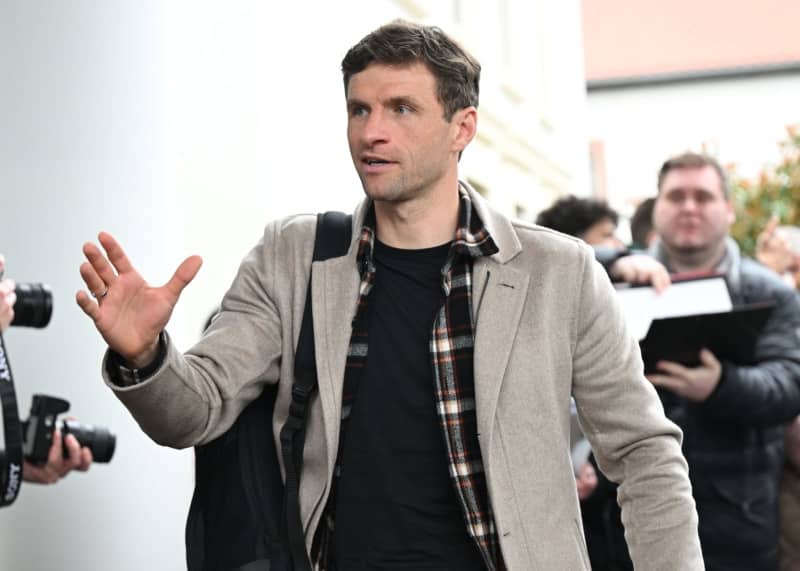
[
  {"x": 375, "y": 129},
  {"x": 689, "y": 204}
]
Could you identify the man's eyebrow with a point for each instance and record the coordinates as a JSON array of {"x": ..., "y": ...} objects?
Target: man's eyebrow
[
  {"x": 353, "y": 102},
  {"x": 403, "y": 100}
]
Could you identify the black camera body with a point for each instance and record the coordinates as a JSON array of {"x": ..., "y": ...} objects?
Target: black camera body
[{"x": 38, "y": 430}]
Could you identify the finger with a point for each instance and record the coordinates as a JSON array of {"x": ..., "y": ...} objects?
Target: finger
[
  {"x": 184, "y": 274},
  {"x": 93, "y": 282},
  {"x": 116, "y": 254},
  {"x": 661, "y": 280},
  {"x": 73, "y": 459},
  {"x": 708, "y": 358},
  {"x": 2, "y": 264},
  {"x": 766, "y": 234},
  {"x": 674, "y": 369},
  {"x": 86, "y": 460},
  {"x": 771, "y": 225},
  {"x": 668, "y": 382},
  {"x": 99, "y": 263},
  {"x": 88, "y": 305},
  {"x": 55, "y": 456}
]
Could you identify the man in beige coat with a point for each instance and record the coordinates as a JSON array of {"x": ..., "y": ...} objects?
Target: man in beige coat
[{"x": 457, "y": 404}]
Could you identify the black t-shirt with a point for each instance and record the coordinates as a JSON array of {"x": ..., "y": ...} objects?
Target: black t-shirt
[{"x": 396, "y": 504}]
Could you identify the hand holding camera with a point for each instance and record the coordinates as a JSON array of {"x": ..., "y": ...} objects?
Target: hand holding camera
[
  {"x": 129, "y": 313},
  {"x": 39, "y": 449},
  {"x": 64, "y": 455}
]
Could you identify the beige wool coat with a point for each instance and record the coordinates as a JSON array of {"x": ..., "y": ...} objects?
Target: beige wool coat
[{"x": 547, "y": 326}]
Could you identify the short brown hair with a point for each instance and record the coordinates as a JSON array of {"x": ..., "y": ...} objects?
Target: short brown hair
[
  {"x": 400, "y": 42},
  {"x": 689, "y": 160}
]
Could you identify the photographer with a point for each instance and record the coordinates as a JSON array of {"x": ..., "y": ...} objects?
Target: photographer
[{"x": 56, "y": 466}]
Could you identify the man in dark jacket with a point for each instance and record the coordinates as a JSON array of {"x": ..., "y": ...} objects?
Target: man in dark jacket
[{"x": 732, "y": 413}]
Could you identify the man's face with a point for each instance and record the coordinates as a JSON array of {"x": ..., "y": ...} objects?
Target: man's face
[
  {"x": 691, "y": 212},
  {"x": 401, "y": 145},
  {"x": 601, "y": 233}
]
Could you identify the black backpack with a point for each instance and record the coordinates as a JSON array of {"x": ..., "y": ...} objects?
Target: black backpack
[{"x": 242, "y": 516}]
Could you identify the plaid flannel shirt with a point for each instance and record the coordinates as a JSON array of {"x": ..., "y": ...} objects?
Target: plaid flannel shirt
[{"x": 451, "y": 353}]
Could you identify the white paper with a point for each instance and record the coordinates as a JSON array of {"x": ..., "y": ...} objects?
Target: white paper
[{"x": 642, "y": 305}]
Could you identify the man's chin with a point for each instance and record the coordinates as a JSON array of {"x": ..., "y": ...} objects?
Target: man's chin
[{"x": 689, "y": 247}]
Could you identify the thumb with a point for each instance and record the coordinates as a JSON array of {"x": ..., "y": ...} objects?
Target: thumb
[
  {"x": 184, "y": 274},
  {"x": 708, "y": 359}
]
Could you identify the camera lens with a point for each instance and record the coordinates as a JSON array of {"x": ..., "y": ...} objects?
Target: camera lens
[
  {"x": 97, "y": 439},
  {"x": 34, "y": 305}
]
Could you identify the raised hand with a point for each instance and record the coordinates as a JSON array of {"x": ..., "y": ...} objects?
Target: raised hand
[
  {"x": 773, "y": 250},
  {"x": 129, "y": 313}
]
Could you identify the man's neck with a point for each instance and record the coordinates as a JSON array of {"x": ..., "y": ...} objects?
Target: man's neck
[
  {"x": 696, "y": 261},
  {"x": 414, "y": 224}
]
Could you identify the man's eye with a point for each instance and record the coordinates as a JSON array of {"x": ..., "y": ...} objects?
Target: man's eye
[
  {"x": 358, "y": 111},
  {"x": 402, "y": 109}
]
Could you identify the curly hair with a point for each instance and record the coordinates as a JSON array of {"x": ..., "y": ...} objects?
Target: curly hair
[{"x": 574, "y": 216}]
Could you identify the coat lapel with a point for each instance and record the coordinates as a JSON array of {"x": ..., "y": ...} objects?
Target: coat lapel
[
  {"x": 334, "y": 290},
  {"x": 500, "y": 294}
]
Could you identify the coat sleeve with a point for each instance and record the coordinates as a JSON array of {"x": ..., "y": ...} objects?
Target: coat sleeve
[
  {"x": 767, "y": 393},
  {"x": 634, "y": 443},
  {"x": 193, "y": 398}
]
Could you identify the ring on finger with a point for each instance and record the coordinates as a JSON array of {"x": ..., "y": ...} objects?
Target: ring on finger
[{"x": 100, "y": 295}]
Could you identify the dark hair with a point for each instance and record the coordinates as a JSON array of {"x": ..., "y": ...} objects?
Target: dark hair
[
  {"x": 574, "y": 216},
  {"x": 689, "y": 160},
  {"x": 399, "y": 42},
  {"x": 642, "y": 222}
]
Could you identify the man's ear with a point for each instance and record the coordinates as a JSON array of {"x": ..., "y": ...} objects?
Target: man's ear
[
  {"x": 465, "y": 125},
  {"x": 731, "y": 212}
]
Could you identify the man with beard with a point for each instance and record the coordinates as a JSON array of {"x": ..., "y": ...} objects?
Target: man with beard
[{"x": 732, "y": 413}]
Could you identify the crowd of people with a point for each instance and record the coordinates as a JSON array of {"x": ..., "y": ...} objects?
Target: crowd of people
[{"x": 739, "y": 417}]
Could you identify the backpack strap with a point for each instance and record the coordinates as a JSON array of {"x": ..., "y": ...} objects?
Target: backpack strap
[{"x": 333, "y": 235}]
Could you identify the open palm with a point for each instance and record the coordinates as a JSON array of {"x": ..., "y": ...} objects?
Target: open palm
[{"x": 129, "y": 313}]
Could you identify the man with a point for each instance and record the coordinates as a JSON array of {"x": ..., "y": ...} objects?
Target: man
[
  {"x": 642, "y": 232},
  {"x": 591, "y": 220},
  {"x": 732, "y": 413},
  {"x": 448, "y": 342},
  {"x": 57, "y": 466}
]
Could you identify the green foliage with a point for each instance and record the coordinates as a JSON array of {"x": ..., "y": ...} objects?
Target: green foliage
[{"x": 776, "y": 192}]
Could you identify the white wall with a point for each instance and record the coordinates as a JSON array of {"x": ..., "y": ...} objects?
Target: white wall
[
  {"x": 181, "y": 127},
  {"x": 740, "y": 121}
]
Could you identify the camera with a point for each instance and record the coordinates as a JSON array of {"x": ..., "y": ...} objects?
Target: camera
[
  {"x": 32, "y": 439},
  {"x": 34, "y": 305},
  {"x": 38, "y": 430}
]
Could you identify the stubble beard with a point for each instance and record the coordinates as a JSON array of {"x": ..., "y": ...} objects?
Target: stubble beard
[
  {"x": 700, "y": 256},
  {"x": 397, "y": 190}
]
